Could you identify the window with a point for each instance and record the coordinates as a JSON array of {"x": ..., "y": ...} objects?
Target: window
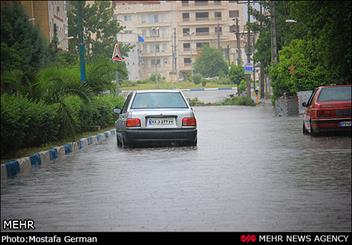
[
  {"x": 200, "y": 45},
  {"x": 125, "y": 105},
  {"x": 127, "y": 18},
  {"x": 233, "y": 13},
  {"x": 184, "y": 2},
  {"x": 202, "y": 16},
  {"x": 342, "y": 93},
  {"x": 187, "y": 61},
  {"x": 217, "y": 15},
  {"x": 233, "y": 28},
  {"x": 217, "y": 2},
  {"x": 201, "y": 2},
  {"x": 155, "y": 18},
  {"x": 201, "y": 31},
  {"x": 57, "y": 9},
  {"x": 186, "y": 47},
  {"x": 156, "y": 48},
  {"x": 158, "y": 100},
  {"x": 185, "y": 31},
  {"x": 154, "y": 62},
  {"x": 185, "y": 16},
  {"x": 218, "y": 28}
]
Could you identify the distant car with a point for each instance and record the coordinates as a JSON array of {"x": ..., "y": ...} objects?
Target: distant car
[
  {"x": 328, "y": 109},
  {"x": 156, "y": 116}
]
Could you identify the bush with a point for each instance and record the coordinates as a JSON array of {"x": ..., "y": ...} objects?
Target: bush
[
  {"x": 100, "y": 111},
  {"x": 242, "y": 87},
  {"x": 241, "y": 100},
  {"x": 26, "y": 123},
  {"x": 197, "y": 78}
]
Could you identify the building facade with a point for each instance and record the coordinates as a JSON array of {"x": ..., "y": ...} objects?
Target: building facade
[
  {"x": 175, "y": 31},
  {"x": 51, "y": 17}
]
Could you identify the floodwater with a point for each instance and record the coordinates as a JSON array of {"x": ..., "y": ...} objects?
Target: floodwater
[{"x": 251, "y": 171}]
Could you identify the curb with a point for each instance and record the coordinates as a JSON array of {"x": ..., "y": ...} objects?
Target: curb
[{"x": 24, "y": 165}]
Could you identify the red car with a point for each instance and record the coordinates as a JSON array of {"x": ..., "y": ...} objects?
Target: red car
[{"x": 328, "y": 109}]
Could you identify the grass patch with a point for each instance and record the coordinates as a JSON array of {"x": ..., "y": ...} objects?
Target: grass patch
[{"x": 31, "y": 150}]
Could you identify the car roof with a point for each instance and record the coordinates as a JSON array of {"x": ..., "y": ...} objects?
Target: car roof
[
  {"x": 332, "y": 86},
  {"x": 159, "y": 91}
]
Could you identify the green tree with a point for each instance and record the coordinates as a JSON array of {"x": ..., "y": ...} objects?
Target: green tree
[
  {"x": 297, "y": 71},
  {"x": 236, "y": 75},
  {"x": 23, "y": 50},
  {"x": 100, "y": 28},
  {"x": 210, "y": 63}
]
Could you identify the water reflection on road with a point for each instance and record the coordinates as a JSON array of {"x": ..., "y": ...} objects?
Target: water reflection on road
[{"x": 250, "y": 171}]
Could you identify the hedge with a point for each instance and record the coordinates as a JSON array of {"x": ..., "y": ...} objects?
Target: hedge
[{"x": 26, "y": 123}]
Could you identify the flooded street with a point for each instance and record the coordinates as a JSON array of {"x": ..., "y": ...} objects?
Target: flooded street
[{"x": 250, "y": 171}]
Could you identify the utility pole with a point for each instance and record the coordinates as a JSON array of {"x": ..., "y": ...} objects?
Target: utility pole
[
  {"x": 82, "y": 61},
  {"x": 174, "y": 66},
  {"x": 248, "y": 51},
  {"x": 273, "y": 34},
  {"x": 190, "y": 45},
  {"x": 254, "y": 67},
  {"x": 261, "y": 65},
  {"x": 238, "y": 40},
  {"x": 228, "y": 54},
  {"x": 218, "y": 35},
  {"x": 155, "y": 29}
]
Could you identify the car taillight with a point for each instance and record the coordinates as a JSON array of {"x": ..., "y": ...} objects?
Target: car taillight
[
  {"x": 133, "y": 122},
  {"x": 325, "y": 113},
  {"x": 189, "y": 121}
]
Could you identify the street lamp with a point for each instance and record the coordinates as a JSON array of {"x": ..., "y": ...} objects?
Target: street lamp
[
  {"x": 190, "y": 45},
  {"x": 155, "y": 30}
]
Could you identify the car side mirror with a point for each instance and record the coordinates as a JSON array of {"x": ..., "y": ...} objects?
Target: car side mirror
[
  {"x": 304, "y": 104},
  {"x": 117, "y": 110}
]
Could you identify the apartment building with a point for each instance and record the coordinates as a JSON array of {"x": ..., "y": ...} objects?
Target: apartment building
[
  {"x": 175, "y": 31},
  {"x": 51, "y": 17}
]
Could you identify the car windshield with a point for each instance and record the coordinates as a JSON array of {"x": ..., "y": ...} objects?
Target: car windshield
[
  {"x": 158, "y": 100},
  {"x": 335, "y": 94}
]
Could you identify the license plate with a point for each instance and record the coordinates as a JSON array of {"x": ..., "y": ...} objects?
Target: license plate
[
  {"x": 161, "y": 122},
  {"x": 345, "y": 124}
]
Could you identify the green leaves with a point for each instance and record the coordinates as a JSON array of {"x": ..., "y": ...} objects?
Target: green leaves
[
  {"x": 98, "y": 22},
  {"x": 236, "y": 74},
  {"x": 297, "y": 70},
  {"x": 210, "y": 63},
  {"x": 22, "y": 48}
]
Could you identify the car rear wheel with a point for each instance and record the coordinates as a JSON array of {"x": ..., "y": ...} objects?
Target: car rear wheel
[{"x": 119, "y": 144}]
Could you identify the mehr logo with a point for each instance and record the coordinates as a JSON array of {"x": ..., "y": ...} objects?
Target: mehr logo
[{"x": 248, "y": 238}]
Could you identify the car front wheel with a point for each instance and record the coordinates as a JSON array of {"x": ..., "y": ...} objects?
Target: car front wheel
[{"x": 313, "y": 132}]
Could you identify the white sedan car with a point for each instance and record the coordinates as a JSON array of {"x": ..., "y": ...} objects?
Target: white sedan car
[{"x": 156, "y": 116}]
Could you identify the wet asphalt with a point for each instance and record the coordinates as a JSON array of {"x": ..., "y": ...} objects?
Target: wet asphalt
[{"x": 251, "y": 171}]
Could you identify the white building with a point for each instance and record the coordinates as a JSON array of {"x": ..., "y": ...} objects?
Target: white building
[{"x": 133, "y": 59}]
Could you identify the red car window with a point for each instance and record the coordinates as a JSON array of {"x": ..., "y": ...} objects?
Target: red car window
[{"x": 335, "y": 94}]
